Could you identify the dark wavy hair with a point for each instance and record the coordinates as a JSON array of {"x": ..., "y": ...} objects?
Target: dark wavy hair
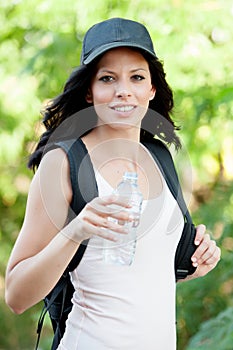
[{"x": 70, "y": 103}]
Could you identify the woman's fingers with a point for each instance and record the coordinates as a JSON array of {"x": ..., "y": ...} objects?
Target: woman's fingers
[
  {"x": 207, "y": 252},
  {"x": 200, "y": 231},
  {"x": 111, "y": 206},
  {"x": 214, "y": 258},
  {"x": 206, "y": 249},
  {"x": 106, "y": 222},
  {"x": 103, "y": 217}
]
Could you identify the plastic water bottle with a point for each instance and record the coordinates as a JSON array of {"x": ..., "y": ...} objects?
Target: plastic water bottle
[{"x": 122, "y": 252}]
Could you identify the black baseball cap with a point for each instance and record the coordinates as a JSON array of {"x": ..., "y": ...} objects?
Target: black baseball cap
[{"x": 112, "y": 33}]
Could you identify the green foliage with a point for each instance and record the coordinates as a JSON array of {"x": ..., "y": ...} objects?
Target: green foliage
[
  {"x": 40, "y": 43},
  {"x": 215, "y": 334},
  {"x": 202, "y": 299}
]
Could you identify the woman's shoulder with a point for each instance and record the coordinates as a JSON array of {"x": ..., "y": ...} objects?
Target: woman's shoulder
[
  {"x": 54, "y": 172},
  {"x": 54, "y": 156}
]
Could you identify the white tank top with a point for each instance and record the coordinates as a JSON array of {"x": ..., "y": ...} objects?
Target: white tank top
[{"x": 129, "y": 307}]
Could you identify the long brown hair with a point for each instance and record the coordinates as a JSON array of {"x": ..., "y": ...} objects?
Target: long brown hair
[{"x": 157, "y": 122}]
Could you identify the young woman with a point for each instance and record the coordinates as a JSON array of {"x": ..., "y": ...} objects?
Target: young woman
[{"x": 114, "y": 307}]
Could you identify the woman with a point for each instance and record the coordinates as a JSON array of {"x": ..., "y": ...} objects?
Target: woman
[{"x": 114, "y": 307}]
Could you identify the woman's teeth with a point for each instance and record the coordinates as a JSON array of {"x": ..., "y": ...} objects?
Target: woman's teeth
[{"x": 124, "y": 108}]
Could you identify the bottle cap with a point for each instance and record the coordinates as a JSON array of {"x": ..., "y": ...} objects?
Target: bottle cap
[{"x": 130, "y": 176}]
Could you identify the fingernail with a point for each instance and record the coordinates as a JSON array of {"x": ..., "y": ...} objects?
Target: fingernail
[
  {"x": 195, "y": 264},
  {"x": 197, "y": 242},
  {"x": 194, "y": 259}
]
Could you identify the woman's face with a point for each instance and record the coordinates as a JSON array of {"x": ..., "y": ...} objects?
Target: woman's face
[{"x": 121, "y": 88}]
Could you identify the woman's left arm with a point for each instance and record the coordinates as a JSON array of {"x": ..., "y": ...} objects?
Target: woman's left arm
[{"x": 207, "y": 254}]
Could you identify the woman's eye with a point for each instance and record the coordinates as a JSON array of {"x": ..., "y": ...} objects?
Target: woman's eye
[
  {"x": 138, "y": 77},
  {"x": 107, "y": 78}
]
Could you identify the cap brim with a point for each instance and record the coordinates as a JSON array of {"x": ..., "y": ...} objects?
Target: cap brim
[{"x": 104, "y": 48}]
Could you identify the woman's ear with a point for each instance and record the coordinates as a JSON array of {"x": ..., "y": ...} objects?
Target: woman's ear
[
  {"x": 153, "y": 92},
  {"x": 89, "y": 98}
]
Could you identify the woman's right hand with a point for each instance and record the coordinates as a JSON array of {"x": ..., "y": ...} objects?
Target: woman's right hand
[{"x": 94, "y": 220}]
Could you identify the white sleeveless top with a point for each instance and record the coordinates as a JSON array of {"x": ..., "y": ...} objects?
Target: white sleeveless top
[{"x": 128, "y": 307}]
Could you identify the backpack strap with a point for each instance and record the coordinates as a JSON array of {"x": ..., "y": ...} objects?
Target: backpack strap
[
  {"x": 163, "y": 159},
  {"x": 186, "y": 246},
  {"x": 60, "y": 288},
  {"x": 84, "y": 186}
]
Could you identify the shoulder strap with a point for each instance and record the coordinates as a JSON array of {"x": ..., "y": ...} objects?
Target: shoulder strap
[
  {"x": 186, "y": 246},
  {"x": 163, "y": 159},
  {"x": 83, "y": 182},
  {"x": 82, "y": 174}
]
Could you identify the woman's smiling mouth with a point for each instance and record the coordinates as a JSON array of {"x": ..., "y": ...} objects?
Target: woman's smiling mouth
[{"x": 123, "y": 109}]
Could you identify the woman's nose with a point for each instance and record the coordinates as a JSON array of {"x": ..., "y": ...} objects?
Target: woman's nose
[
  {"x": 123, "y": 93},
  {"x": 123, "y": 90}
]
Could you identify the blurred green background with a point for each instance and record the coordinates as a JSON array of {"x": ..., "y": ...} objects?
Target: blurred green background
[{"x": 40, "y": 43}]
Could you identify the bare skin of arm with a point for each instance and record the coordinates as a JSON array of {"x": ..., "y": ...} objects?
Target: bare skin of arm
[{"x": 45, "y": 245}]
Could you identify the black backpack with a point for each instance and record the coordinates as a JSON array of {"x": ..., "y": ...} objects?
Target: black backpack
[{"x": 58, "y": 301}]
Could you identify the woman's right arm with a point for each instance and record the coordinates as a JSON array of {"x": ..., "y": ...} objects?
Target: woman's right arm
[
  {"x": 41, "y": 252},
  {"x": 45, "y": 244}
]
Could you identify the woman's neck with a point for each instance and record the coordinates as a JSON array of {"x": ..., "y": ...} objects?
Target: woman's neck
[
  {"x": 109, "y": 133},
  {"x": 112, "y": 154},
  {"x": 105, "y": 143}
]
